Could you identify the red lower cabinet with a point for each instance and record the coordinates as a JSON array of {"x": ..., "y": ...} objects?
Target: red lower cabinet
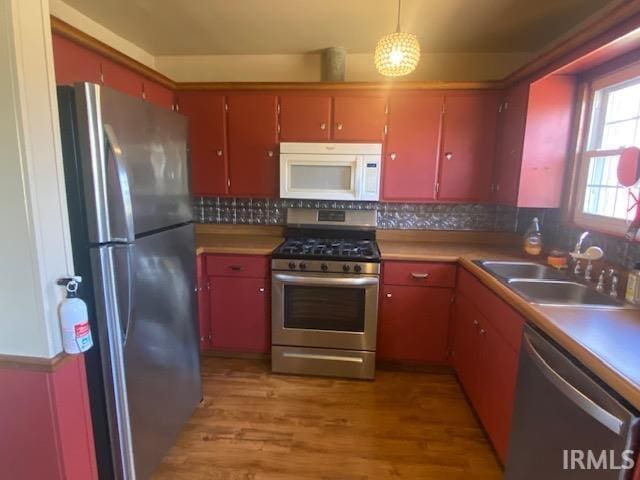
[
  {"x": 239, "y": 314},
  {"x": 204, "y": 318},
  {"x": 485, "y": 359},
  {"x": 413, "y": 320},
  {"x": 237, "y": 303},
  {"x": 636, "y": 475}
]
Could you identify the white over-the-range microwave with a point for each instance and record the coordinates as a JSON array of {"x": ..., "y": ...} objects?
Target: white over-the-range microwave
[{"x": 330, "y": 171}]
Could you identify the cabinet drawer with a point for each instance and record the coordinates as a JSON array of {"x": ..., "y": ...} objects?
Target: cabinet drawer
[
  {"x": 505, "y": 320},
  {"x": 419, "y": 274},
  {"x": 238, "y": 266}
]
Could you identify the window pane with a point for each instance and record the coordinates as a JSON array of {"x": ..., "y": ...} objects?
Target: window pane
[
  {"x": 623, "y": 103},
  {"x": 603, "y": 195},
  {"x": 619, "y": 134},
  {"x": 603, "y": 171}
]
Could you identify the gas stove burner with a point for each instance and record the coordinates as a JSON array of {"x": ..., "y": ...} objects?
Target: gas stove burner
[{"x": 329, "y": 249}]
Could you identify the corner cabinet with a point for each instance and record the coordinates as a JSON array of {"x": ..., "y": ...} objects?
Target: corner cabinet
[
  {"x": 534, "y": 132},
  {"x": 484, "y": 353},
  {"x": 235, "y": 305},
  {"x": 414, "y": 311}
]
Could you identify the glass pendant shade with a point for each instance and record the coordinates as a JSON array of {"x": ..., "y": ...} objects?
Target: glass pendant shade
[{"x": 397, "y": 54}]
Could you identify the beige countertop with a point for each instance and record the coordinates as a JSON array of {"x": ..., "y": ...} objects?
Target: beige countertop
[{"x": 607, "y": 342}]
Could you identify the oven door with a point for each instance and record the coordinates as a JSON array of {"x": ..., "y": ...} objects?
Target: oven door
[
  {"x": 320, "y": 177},
  {"x": 310, "y": 310}
]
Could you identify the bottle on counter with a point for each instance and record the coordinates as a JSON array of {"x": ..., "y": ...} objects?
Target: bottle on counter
[
  {"x": 633, "y": 285},
  {"x": 532, "y": 242}
]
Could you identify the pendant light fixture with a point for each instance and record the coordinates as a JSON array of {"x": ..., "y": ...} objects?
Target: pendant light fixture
[{"x": 397, "y": 53}]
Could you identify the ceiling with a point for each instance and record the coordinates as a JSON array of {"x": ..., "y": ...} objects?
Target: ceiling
[{"x": 218, "y": 27}]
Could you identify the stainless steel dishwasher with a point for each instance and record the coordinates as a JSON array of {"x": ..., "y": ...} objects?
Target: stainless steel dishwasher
[{"x": 566, "y": 425}]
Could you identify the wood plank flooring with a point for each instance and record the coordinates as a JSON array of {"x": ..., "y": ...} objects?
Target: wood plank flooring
[{"x": 255, "y": 425}]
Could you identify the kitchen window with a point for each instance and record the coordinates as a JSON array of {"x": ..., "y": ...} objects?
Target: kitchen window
[{"x": 613, "y": 123}]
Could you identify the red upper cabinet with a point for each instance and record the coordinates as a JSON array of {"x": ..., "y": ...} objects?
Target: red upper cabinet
[
  {"x": 74, "y": 63},
  {"x": 305, "y": 118},
  {"x": 512, "y": 120},
  {"x": 534, "y": 131},
  {"x": 409, "y": 166},
  {"x": 252, "y": 136},
  {"x": 468, "y": 144},
  {"x": 359, "y": 118},
  {"x": 546, "y": 142},
  {"x": 121, "y": 78},
  {"x": 206, "y": 114},
  {"x": 158, "y": 94}
]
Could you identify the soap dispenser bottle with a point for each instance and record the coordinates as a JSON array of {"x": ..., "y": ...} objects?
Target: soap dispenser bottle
[{"x": 532, "y": 242}]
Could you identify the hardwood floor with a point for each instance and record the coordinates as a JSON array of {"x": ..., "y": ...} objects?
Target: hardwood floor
[{"x": 255, "y": 425}]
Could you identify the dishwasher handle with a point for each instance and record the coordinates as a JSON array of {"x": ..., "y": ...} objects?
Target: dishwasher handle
[{"x": 591, "y": 408}]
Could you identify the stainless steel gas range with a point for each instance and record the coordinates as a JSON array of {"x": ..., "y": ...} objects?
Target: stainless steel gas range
[{"x": 325, "y": 281}]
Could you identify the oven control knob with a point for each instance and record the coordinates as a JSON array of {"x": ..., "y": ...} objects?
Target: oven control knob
[
  {"x": 357, "y": 268},
  {"x": 346, "y": 267},
  {"x": 292, "y": 266},
  {"x": 303, "y": 266},
  {"x": 324, "y": 267}
]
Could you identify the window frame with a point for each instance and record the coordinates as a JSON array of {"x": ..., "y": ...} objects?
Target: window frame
[{"x": 585, "y": 154}]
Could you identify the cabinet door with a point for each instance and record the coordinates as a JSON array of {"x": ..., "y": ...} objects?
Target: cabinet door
[
  {"x": 158, "y": 94},
  {"x": 359, "y": 118},
  {"x": 206, "y": 114},
  {"x": 511, "y": 125},
  {"x": 305, "y": 118},
  {"x": 499, "y": 371},
  {"x": 74, "y": 63},
  {"x": 204, "y": 316},
  {"x": 468, "y": 143},
  {"x": 121, "y": 78},
  {"x": 239, "y": 314},
  {"x": 414, "y": 322},
  {"x": 465, "y": 350},
  {"x": 252, "y": 139},
  {"x": 409, "y": 167}
]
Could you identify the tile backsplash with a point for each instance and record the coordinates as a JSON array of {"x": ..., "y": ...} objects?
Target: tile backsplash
[{"x": 431, "y": 216}]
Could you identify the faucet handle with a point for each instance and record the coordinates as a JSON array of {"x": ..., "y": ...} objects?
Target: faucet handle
[
  {"x": 614, "y": 282},
  {"x": 578, "y": 267},
  {"x": 600, "y": 285},
  {"x": 588, "y": 271}
]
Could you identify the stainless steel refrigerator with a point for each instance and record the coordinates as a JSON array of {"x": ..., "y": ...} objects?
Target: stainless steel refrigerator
[{"x": 127, "y": 179}]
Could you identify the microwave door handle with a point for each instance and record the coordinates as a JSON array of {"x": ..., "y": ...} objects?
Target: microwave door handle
[
  {"x": 591, "y": 408},
  {"x": 124, "y": 209},
  {"x": 323, "y": 281}
]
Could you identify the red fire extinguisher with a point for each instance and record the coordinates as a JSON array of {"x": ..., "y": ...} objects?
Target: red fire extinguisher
[{"x": 74, "y": 319}]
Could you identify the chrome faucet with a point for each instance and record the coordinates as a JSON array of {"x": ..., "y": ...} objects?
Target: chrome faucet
[
  {"x": 590, "y": 254},
  {"x": 578, "y": 248}
]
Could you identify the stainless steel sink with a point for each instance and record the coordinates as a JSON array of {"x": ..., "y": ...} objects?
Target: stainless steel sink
[
  {"x": 563, "y": 293},
  {"x": 508, "y": 270}
]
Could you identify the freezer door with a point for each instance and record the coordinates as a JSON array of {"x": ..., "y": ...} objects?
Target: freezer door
[
  {"x": 134, "y": 162},
  {"x": 150, "y": 288}
]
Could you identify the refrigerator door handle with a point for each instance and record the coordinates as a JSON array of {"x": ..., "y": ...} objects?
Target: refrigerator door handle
[
  {"x": 112, "y": 268},
  {"x": 126, "y": 206},
  {"x": 591, "y": 408}
]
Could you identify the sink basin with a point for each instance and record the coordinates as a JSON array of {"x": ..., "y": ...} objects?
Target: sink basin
[
  {"x": 508, "y": 270},
  {"x": 563, "y": 293}
]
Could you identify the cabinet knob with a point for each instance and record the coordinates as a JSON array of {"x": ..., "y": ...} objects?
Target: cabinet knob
[
  {"x": 393, "y": 156},
  {"x": 389, "y": 295},
  {"x": 476, "y": 323},
  {"x": 483, "y": 331},
  {"x": 323, "y": 126},
  {"x": 219, "y": 153},
  {"x": 339, "y": 126},
  {"x": 270, "y": 153},
  {"x": 448, "y": 155},
  {"x": 261, "y": 289}
]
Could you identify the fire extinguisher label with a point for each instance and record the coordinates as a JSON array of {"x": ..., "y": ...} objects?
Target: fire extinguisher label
[{"x": 81, "y": 329}]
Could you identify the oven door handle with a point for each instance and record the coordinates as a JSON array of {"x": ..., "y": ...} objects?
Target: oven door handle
[{"x": 324, "y": 281}]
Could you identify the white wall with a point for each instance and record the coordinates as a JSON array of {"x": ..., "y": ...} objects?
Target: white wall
[
  {"x": 35, "y": 247},
  {"x": 359, "y": 67},
  {"x": 73, "y": 17}
]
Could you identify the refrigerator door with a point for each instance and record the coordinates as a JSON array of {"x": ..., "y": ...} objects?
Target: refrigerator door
[
  {"x": 134, "y": 162},
  {"x": 149, "y": 290}
]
